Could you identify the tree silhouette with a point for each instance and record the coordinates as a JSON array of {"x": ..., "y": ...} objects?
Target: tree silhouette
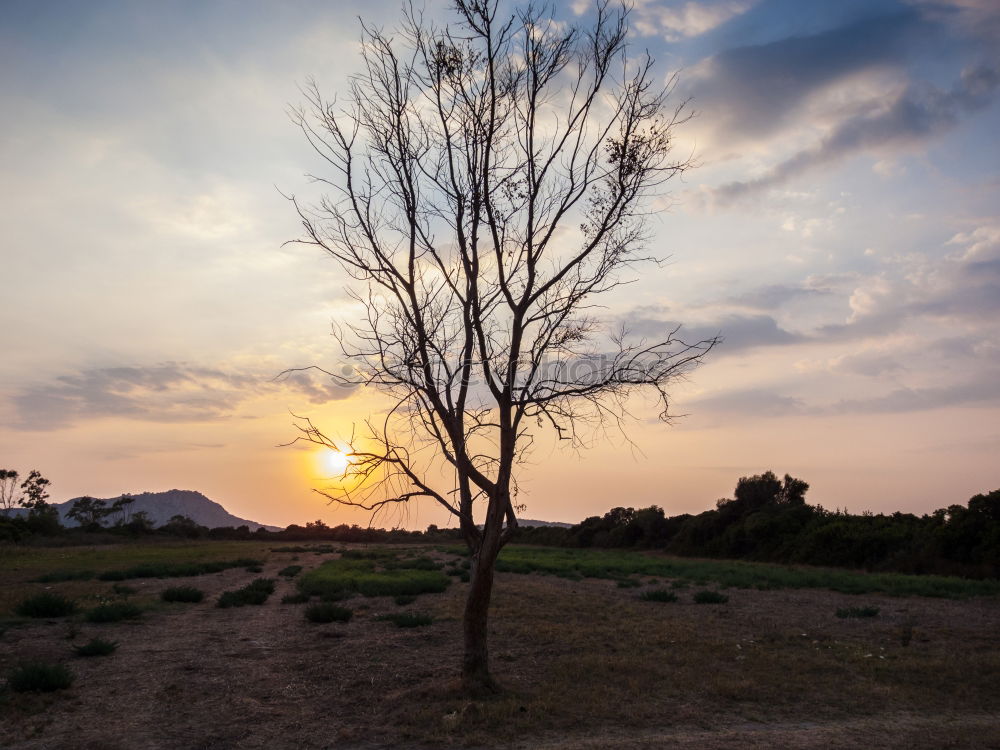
[{"x": 490, "y": 181}]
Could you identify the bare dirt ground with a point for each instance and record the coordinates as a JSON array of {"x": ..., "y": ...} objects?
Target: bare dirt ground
[{"x": 584, "y": 665}]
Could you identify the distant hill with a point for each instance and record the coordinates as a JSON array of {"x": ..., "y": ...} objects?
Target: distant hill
[
  {"x": 162, "y": 506},
  {"x": 532, "y": 522}
]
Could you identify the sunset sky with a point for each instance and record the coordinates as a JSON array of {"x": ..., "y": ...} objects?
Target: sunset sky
[{"x": 841, "y": 232}]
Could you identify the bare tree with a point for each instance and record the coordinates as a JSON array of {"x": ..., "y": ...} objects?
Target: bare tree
[{"x": 489, "y": 181}]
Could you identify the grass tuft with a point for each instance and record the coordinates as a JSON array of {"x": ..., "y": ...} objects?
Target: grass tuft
[
  {"x": 96, "y": 647},
  {"x": 113, "y": 612},
  {"x": 323, "y": 612},
  {"x": 297, "y": 598},
  {"x": 710, "y": 597},
  {"x": 46, "y": 605},
  {"x": 407, "y": 619},
  {"x": 182, "y": 594},
  {"x": 859, "y": 612},
  {"x": 57, "y": 576},
  {"x": 255, "y": 592},
  {"x": 291, "y": 571},
  {"x": 39, "y": 677}
]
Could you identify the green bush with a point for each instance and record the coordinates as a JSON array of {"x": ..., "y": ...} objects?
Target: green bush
[
  {"x": 46, "y": 605},
  {"x": 291, "y": 571},
  {"x": 658, "y": 595},
  {"x": 176, "y": 570},
  {"x": 39, "y": 677},
  {"x": 122, "y": 590},
  {"x": 254, "y": 569},
  {"x": 255, "y": 592},
  {"x": 628, "y": 583},
  {"x": 403, "y": 599},
  {"x": 358, "y": 574},
  {"x": 325, "y": 612},
  {"x": 859, "y": 612},
  {"x": 710, "y": 597},
  {"x": 96, "y": 647},
  {"x": 298, "y": 598},
  {"x": 407, "y": 619},
  {"x": 113, "y": 612},
  {"x": 182, "y": 594}
]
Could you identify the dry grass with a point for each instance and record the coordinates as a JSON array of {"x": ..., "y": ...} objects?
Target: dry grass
[{"x": 585, "y": 664}]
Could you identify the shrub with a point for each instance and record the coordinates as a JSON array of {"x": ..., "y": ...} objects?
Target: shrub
[
  {"x": 122, "y": 590},
  {"x": 254, "y": 569},
  {"x": 710, "y": 597},
  {"x": 255, "y": 592},
  {"x": 628, "y": 583},
  {"x": 113, "y": 612},
  {"x": 298, "y": 598},
  {"x": 857, "y": 612},
  {"x": 358, "y": 574},
  {"x": 407, "y": 619},
  {"x": 39, "y": 677},
  {"x": 326, "y": 612},
  {"x": 291, "y": 571},
  {"x": 176, "y": 570},
  {"x": 464, "y": 578},
  {"x": 46, "y": 605},
  {"x": 96, "y": 647},
  {"x": 403, "y": 599},
  {"x": 182, "y": 594},
  {"x": 658, "y": 595}
]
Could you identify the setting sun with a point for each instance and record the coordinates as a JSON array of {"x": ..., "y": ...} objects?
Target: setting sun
[{"x": 336, "y": 462}]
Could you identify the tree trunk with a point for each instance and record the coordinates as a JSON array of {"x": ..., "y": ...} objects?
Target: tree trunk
[{"x": 476, "y": 678}]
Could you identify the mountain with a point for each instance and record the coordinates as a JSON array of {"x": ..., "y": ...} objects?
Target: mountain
[
  {"x": 531, "y": 522},
  {"x": 161, "y": 506}
]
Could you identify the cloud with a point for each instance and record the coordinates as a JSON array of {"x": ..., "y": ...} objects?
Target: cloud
[
  {"x": 920, "y": 112},
  {"x": 168, "y": 392},
  {"x": 921, "y": 399},
  {"x": 750, "y": 92},
  {"x": 739, "y": 332},
  {"x": 754, "y": 402},
  {"x": 679, "y": 20}
]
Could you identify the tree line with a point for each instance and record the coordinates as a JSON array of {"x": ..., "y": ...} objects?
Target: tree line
[{"x": 767, "y": 519}]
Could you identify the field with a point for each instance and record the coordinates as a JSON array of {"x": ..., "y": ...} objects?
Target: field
[{"x": 595, "y": 649}]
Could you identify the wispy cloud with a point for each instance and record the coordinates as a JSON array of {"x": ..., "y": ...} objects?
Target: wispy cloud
[
  {"x": 168, "y": 392},
  {"x": 920, "y": 112}
]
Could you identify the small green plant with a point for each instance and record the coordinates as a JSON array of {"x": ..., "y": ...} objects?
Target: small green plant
[
  {"x": 658, "y": 595},
  {"x": 113, "y": 612},
  {"x": 859, "y": 612},
  {"x": 628, "y": 583},
  {"x": 291, "y": 571},
  {"x": 255, "y": 592},
  {"x": 96, "y": 647},
  {"x": 254, "y": 569},
  {"x": 710, "y": 597},
  {"x": 39, "y": 677},
  {"x": 326, "y": 612},
  {"x": 297, "y": 598},
  {"x": 46, "y": 605},
  {"x": 407, "y": 619},
  {"x": 464, "y": 578},
  {"x": 403, "y": 599},
  {"x": 182, "y": 594}
]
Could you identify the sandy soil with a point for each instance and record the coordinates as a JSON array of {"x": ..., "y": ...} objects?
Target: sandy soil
[{"x": 585, "y": 664}]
